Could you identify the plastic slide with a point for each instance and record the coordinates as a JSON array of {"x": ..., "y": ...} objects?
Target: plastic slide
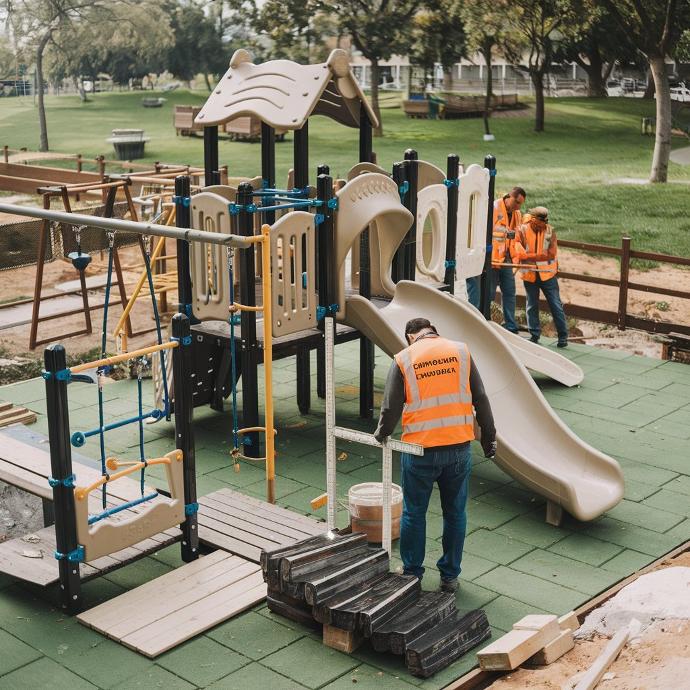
[{"x": 534, "y": 446}]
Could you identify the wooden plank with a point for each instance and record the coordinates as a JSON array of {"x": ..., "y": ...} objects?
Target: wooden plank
[
  {"x": 5, "y": 406},
  {"x": 220, "y": 540},
  {"x": 569, "y": 621},
  {"x": 342, "y": 640},
  {"x": 25, "y": 480},
  {"x": 25, "y": 417},
  {"x": 546, "y": 622},
  {"x": 593, "y": 675},
  {"x": 554, "y": 650},
  {"x": 12, "y": 411},
  {"x": 221, "y": 525},
  {"x": 515, "y": 647}
]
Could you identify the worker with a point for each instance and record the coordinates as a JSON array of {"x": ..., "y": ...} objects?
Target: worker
[
  {"x": 434, "y": 384},
  {"x": 507, "y": 221},
  {"x": 539, "y": 248}
]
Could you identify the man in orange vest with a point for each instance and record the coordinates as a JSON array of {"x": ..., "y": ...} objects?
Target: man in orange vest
[
  {"x": 434, "y": 385},
  {"x": 539, "y": 248}
]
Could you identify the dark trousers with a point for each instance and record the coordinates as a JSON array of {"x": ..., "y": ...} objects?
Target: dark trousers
[{"x": 553, "y": 297}]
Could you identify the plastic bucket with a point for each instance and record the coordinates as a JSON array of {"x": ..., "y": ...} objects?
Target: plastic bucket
[{"x": 365, "y": 503}]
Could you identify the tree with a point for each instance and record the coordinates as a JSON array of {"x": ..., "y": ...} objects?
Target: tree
[
  {"x": 379, "y": 28},
  {"x": 655, "y": 27},
  {"x": 486, "y": 27}
]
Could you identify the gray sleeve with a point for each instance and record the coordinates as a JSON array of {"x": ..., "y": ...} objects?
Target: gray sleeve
[
  {"x": 482, "y": 407},
  {"x": 392, "y": 403}
]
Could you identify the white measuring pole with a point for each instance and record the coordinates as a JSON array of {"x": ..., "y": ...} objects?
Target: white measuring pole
[{"x": 330, "y": 423}]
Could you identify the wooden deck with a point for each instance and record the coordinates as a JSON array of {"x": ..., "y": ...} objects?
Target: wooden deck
[
  {"x": 179, "y": 605},
  {"x": 244, "y": 525}
]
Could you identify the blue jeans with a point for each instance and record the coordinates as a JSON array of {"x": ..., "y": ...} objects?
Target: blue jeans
[
  {"x": 505, "y": 278},
  {"x": 450, "y": 468},
  {"x": 553, "y": 297},
  {"x": 473, "y": 290}
]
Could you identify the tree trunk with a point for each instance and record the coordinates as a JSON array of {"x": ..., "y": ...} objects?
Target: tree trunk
[
  {"x": 662, "y": 143},
  {"x": 208, "y": 81},
  {"x": 596, "y": 85},
  {"x": 43, "y": 145},
  {"x": 649, "y": 91},
  {"x": 538, "y": 83},
  {"x": 378, "y": 131},
  {"x": 448, "y": 79},
  {"x": 486, "y": 51}
]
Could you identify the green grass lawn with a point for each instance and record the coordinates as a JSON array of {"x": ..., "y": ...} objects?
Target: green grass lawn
[{"x": 569, "y": 168}]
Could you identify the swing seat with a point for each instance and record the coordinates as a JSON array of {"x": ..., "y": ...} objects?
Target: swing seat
[{"x": 79, "y": 260}]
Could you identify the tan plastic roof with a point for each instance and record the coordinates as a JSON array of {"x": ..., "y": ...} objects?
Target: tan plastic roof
[{"x": 284, "y": 94}]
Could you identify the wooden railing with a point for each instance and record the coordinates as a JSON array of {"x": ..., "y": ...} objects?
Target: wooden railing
[{"x": 621, "y": 318}]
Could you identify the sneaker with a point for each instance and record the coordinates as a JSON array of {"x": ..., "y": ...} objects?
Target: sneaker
[
  {"x": 534, "y": 339},
  {"x": 562, "y": 343},
  {"x": 450, "y": 586}
]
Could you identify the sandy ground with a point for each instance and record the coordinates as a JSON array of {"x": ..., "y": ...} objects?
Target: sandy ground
[{"x": 660, "y": 661}]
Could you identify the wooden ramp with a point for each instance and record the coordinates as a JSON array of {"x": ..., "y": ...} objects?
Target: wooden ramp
[
  {"x": 175, "y": 607},
  {"x": 244, "y": 525}
]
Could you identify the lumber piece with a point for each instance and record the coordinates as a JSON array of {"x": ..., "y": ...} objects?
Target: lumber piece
[
  {"x": 25, "y": 417},
  {"x": 291, "y": 608},
  {"x": 343, "y": 640},
  {"x": 270, "y": 558},
  {"x": 296, "y": 566},
  {"x": 593, "y": 675},
  {"x": 569, "y": 621},
  {"x": 554, "y": 650},
  {"x": 383, "y": 601},
  {"x": 429, "y": 610},
  {"x": 322, "y": 611},
  {"x": 546, "y": 622},
  {"x": 326, "y": 583},
  {"x": 454, "y": 636}
]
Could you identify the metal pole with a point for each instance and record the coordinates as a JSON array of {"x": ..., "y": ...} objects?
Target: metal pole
[
  {"x": 331, "y": 480},
  {"x": 452, "y": 173},
  {"x": 57, "y": 409},
  {"x": 210, "y": 153},
  {"x": 397, "y": 270},
  {"x": 249, "y": 347},
  {"x": 485, "y": 300},
  {"x": 301, "y": 156},
  {"x": 183, "y": 220},
  {"x": 183, "y": 372},
  {"x": 268, "y": 166},
  {"x": 411, "y": 203},
  {"x": 322, "y": 169}
]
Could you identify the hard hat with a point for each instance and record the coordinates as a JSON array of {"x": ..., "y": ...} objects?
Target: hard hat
[{"x": 540, "y": 212}]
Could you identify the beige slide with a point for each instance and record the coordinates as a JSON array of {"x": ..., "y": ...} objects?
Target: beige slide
[{"x": 535, "y": 447}]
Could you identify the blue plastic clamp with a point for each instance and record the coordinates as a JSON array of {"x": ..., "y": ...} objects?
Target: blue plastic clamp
[
  {"x": 451, "y": 183},
  {"x": 191, "y": 508},
  {"x": 333, "y": 203},
  {"x": 234, "y": 209},
  {"x": 62, "y": 375},
  {"x": 403, "y": 189},
  {"x": 451, "y": 263},
  {"x": 78, "y": 439},
  {"x": 320, "y": 312},
  {"x": 319, "y": 218},
  {"x": 489, "y": 248},
  {"x": 236, "y": 319},
  {"x": 184, "y": 200},
  {"x": 76, "y": 556},
  {"x": 67, "y": 482},
  {"x": 493, "y": 172}
]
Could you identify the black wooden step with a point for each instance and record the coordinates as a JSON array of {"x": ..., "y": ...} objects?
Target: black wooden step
[
  {"x": 373, "y": 608},
  {"x": 270, "y": 560},
  {"x": 322, "y": 611},
  {"x": 429, "y": 610},
  {"x": 454, "y": 636},
  {"x": 291, "y": 608},
  {"x": 297, "y": 567}
]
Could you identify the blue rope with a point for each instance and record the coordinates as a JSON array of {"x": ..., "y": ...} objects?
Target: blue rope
[
  {"x": 121, "y": 507},
  {"x": 142, "y": 455},
  {"x": 233, "y": 358}
]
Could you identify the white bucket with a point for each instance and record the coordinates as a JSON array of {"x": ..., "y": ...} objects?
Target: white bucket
[{"x": 365, "y": 503}]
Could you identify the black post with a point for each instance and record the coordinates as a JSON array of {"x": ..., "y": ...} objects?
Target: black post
[
  {"x": 452, "y": 172},
  {"x": 215, "y": 177},
  {"x": 365, "y": 143},
  {"x": 250, "y": 346},
  {"x": 183, "y": 219},
  {"x": 301, "y": 156},
  {"x": 268, "y": 166},
  {"x": 183, "y": 372},
  {"x": 61, "y": 469},
  {"x": 397, "y": 270},
  {"x": 411, "y": 203},
  {"x": 322, "y": 169},
  {"x": 210, "y": 153},
  {"x": 485, "y": 299}
]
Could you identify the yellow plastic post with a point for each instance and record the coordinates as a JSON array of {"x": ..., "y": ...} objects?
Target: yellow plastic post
[{"x": 268, "y": 360}]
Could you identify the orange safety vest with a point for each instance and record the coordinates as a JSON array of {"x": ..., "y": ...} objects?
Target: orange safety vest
[
  {"x": 537, "y": 243},
  {"x": 500, "y": 244},
  {"x": 438, "y": 399}
]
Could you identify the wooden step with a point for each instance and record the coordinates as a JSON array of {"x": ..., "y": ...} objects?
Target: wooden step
[
  {"x": 289, "y": 607},
  {"x": 322, "y": 612},
  {"x": 297, "y": 566}
]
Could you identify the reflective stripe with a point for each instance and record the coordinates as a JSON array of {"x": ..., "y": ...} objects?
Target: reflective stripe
[
  {"x": 410, "y": 374},
  {"x": 450, "y": 399},
  {"x": 437, "y": 423}
]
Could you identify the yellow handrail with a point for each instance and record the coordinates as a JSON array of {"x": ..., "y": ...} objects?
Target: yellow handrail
[
  {"x": 82, "y": 492},
  {"x": 107, "y": 361}
]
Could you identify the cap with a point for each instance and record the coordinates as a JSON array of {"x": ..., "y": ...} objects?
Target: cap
[{"x": 540, "y": 212}]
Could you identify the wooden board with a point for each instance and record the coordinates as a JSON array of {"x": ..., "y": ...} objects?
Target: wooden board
[
  {"x": 17, "y": 416},
  {"x": 244, "y": 525},
  {"x": 342, "y": 640},
  {"x": 554, "y": 650},
  {"x": 179, "y": 605}
]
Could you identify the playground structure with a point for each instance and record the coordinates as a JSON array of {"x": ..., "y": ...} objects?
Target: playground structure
[{"x": 338, "y": 262}]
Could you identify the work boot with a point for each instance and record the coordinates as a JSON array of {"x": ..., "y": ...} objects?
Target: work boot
[
  {"x": 562, "y": 342},
  {"x": 534, "y": 339},
  {"x": 450, "y": 586}
]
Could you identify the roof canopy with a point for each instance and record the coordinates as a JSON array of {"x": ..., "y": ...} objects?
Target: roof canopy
[{"x": 283, "y": 94}]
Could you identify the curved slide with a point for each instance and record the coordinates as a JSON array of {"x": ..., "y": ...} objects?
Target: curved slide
[{"x": 535, "y": 447}]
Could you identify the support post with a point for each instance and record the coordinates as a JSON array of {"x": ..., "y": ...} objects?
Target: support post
[
  {"x": 210, "y": 153},
  {"x": 183, "y": 372},
  {"x": 623, "y": 289},
  {"x": 411, "y": 204},
  {"x": 331, "y": 484},
  {"x": 268, "y": 166},
  {"x": 485, "y": 299},
  {"x": 322, "y": 169},
  {"x": 38, "y": 280},
  {"x": 452, "y": 173},
  {"x": 250, "y": 346},
  {"x": 397, "y": 270},
  {"x": 183, "y": 220},
  {"x": 61, "y": 469},
  {"x": 301, "y": 156}
]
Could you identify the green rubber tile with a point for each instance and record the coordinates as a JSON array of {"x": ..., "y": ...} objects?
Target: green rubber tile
[
  {"x": 646, "y": 516},
  {"x": 489, "y": 516},
  {"x": 107, "y": 664},
  {"x": 283, "y": 487},
  {"x": 310, "y": 663},
  {"x": 638, "y": 491},
  {"x": 531, "y": 529},
  {"x": 532, "y": 590},
  {"x": 668, "y": 427},
  {"x": 669, "y": 501},
  {"x": 469, "y": 596},
  {"x": 586, "y": 549},
  {"x": 512, "y": 499},
  {"x": 480, "y": 486},
  {"x": 15, "y": 653},
  {"x": 500, "y": 547},
  {"x": 474, "y": 566},
  {"x": 44, "y": 673},
  {"x": 616, "y": 395},
  {"x": 489, "y": 470},
  {"x": 681, "y": 532},
  {"x": 202, "y": 661},
  {"x": 643, "y": 473},
  {"x": 155, "y": 677},
  {"x": 138, "y": 573},
  {"x": 627, "y": 562},
  {"x": 391, "y": 665},
  {"x": 597, "y": 379},
  {"x": 370, "y": 677},
  {"x": 632, "y": 418},
  {"x": 255, "y": 675},
  {"x": 564, "y": 571},
  {"x": 98, "y": 590},
  {"x": 630, "y": 536},
  {"x": 256, "y": 636},
  {"x": 504, "y": 611}
]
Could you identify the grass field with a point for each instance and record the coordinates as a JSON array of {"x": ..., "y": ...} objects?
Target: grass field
[{"x": 588, "y": 143}]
